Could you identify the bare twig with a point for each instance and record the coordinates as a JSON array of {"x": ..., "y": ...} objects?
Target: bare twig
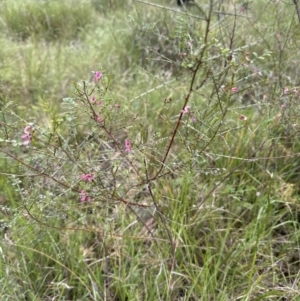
[{"x": 297, "y": 9}]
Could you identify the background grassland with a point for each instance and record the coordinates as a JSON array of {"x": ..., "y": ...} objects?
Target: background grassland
[{"x": 222, "y": 223}]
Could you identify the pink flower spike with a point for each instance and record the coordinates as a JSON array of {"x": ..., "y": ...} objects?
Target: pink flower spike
[
  {"x": 93, "y": 99},
  {"x": 97, "y": 76},
  {"x": 234, "y": 89},
  {"x": 185, "y": 110},
  {"x": 87, "y": 177},
  {"x": 127, "y": 146}
]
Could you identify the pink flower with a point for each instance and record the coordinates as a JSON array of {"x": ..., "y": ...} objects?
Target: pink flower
[
  {"x": 193, "y": 119},
  {"x": 234, "y": 89},
  {"x": 99, "y": 119},
  {"x": 93, "y": 99},
  {"x": 242, "y": 9},
  {"x": 84, "y": 197},
  {"x": 283, "y": 106},
  {"x": 97, "y": 76},
  {"x": 185, "y": 110},
  {"x": 100, "y": 103},
  {"x": 286, "y": 90},
  {"x": 28, "y": 129},
  {"x": 127, "y": 146},
  {"x": 243, "y": 117},
  {"x": 87, "y": 177},
  {"x": 27, "y": 136}
]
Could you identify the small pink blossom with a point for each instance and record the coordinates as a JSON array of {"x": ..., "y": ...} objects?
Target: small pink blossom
[
  {"x": 84, "y": 197},
  {"x": 99, "y": 119},
  {"x": 243, "y": 117},
  {"x": 93, "y": 99},
  {"x": 283, "y": 106},
  {"x": 28, "y": 129},
  {"x": 234, "y": 89},
  {"x": 127, "y": 146},
  {"x": 185, "y": 110},
  {"x": 27, "y": 136},
  {"x": 285, "y": 90},
  {"x": 87, "y": 177},
  {"x": 97, "y": 76},
  {"x": 242, "y": 9},
  {"x": 193, "y": 119},
  {"x": 100, "y": 103},
  {"x": 257, "y": 72}
]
